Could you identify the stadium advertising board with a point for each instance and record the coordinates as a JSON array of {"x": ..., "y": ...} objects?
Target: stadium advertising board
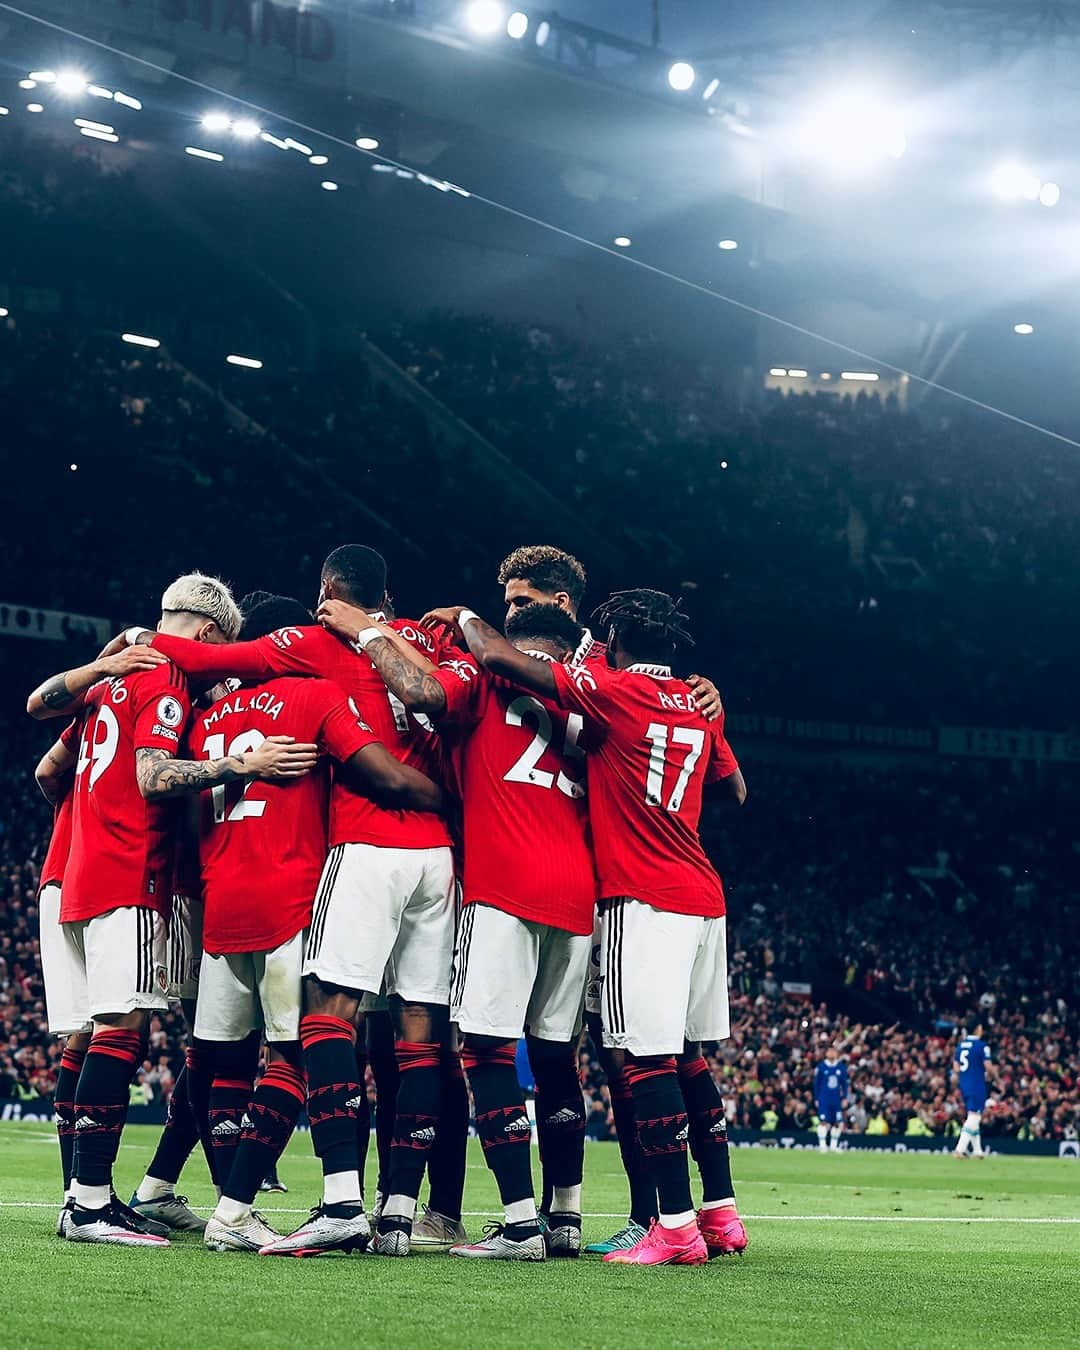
[{"x": 52, "y": 625}]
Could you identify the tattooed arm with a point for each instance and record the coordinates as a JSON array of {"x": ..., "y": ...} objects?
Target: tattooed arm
[
  {"x": 494, "y": 653},
  {"x": 63, "y": 694},
  {"x": 54, "y": 771},
  {"x": 405, "y": 671},
  {"x": 279, "y": 759}
]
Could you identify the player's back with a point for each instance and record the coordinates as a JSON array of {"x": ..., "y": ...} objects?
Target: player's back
[
  {"x": 121, "y": 843},
  {"x": 972, "y": 1055},
  {"x": 526, "y": 816},
  {"x": 654, "y": 752},
  {"x": 263, "y": 843}
]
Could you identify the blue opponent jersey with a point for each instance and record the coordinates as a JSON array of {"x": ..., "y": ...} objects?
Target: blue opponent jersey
[
  {"x": 972, "y": 1057},
  {"x": 830, "y": 1081}
]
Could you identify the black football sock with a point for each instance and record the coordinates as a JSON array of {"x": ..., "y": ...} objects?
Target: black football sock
[
  {"x": 363, "y": 1111},
  {"x": 708, "y": 1128},
  {"x": 662, "y": 1127},
  {"x": 446, "y": 1165},
  {"x": 231, "y": 1086},
  {"x": 199, "y": 1062},
  {"x": 502, "y": 1123},
  {"x": 269, "y": 1122},
  {"x": 419, "y": 1099},
  {"x": 334, "y": 1098},
  {"x": 71, "y": 1062},
  {"x": 179, "y": 1136},
  {"x": 384, "y": 1069},
  {"x": 101, "y": 1104},
  {"x": 560, "y": 1121}
]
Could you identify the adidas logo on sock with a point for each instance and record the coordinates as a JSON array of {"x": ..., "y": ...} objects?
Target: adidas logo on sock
[
  {"x": 516, "y": 1126},
  {"x": 85, "y": 1123},
  {"x": 245, "y": 1123},
  {"x": 720, "y": 1127},
  {"x": 355, "y": 1103},
  {"x": 683, "y": 1134},
  {"x": 563, "y": 1117},
  {"x": 223, "y": 1128},
  {"x": 58, "y": 1119},
  {"x": 426, "y": 1135}
]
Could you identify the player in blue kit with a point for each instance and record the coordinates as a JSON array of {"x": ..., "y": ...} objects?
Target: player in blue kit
[
  {"x": 831, "y": 1089},
  {"x": 971, "y": 1062}
]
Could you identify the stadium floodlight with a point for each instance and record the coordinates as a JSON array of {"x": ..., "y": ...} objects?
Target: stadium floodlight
[
  {"x": 484, "y": 17},
  {"x": 74, "y": 468},
  {"x": 99, "y": 135},
  {"x": 1049, "y": 194},
  {"x": 852, "y": 132},
  {"x": 328, "y": 185},
  {"x": 1011, "y": 181},
  {"x": 28, "y": 84},
  {"x": 681, "y": 76},
  {"x": 728, "y": 245},
  {"x": 245, "y": 129},
  {"x": 300, "y": 146},
  {"x": 1024, "y": 329},
  {"x": 4, "y": 312},
  {"x": 35, "y": 107},
  {"x": 204, "y": 154},
  {"x": 778, "y": 370},
  {"x": 127, "y": 100},
  {"x": 543, "y": 32},
  {"x": 43, "y": 76},
  {"x": 622, "y": 241},
  {"x": 723, "y": 463},
  {"x": 794, "y": 373},
  {"x": 249, "y": 362},
  {"x": 825, "y": 375},
  {"x": 71, "y": 82},
  {"x": 138, "y": 340},
  {"x": 865, "y": 376},
  {"x": 710, "y": 89},
  {"x": 382, "y": 168},
  {"x": 99, "y": 91},
  {"x": 366, "y": 143},
  {"x": 517, "y": 25},
  {"x": 273, "y": 140},
  {"x": 4, "y": 111},
  {"x": 319, "y": 160},
  {"x": 92, "y": 126},
  {"x": 215, "y": 121}
]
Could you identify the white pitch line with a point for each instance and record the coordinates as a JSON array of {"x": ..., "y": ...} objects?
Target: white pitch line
[{"x": 750, "y": 1218}]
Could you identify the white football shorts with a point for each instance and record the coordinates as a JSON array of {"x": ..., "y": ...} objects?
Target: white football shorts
[
  {"x": 383, "y": 921},
  {"x": 665, "y": 978},
  {"x": 511, "y": 975},
  {"x": 242, "y": 991},
  {"x": 183, "y": 947},
  {"x": 61, "y": 969},
  {"x": 116, "y": 964}
]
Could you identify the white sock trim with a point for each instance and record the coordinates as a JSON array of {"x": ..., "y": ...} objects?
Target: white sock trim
[
  {"x": 399, "y": 1207},
  {"x": 90, "y": 1197},
  {"x": 231, "y": 1211},
  {"x": 341, "y": 1188},
  {"x": 151, "y": 1188},
  {"x": 677, "y": 1220},
  {"x": 521, "y": 1211},
  {"x": 566, "y": 1200}
]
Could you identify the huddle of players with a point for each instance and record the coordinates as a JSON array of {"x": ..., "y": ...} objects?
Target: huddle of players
[{"x": 328, "y": 893}]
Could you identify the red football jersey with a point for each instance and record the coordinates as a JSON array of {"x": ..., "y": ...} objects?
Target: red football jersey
[
  {"x": 650, "y": 754},
  {"x": 263, "y": 844},
  {"x": 52, "y": 869},
  {"x": 121, "y": 844},
  {"x": 354, "y": 818},
  {"x": 523, "y": 780},
  {"x": 589, "y": 649}
]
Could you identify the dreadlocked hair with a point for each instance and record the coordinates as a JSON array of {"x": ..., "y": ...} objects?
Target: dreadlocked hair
[{"x": 648, "y": 623}]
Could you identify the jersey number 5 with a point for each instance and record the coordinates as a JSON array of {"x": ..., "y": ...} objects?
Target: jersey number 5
[
  {"x": 662, "y": 740},
  {"x": 526, "y": 769},
  {"x": 239, "y": 745}
]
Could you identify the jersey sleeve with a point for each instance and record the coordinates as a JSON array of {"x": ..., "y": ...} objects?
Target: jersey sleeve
[
  {"x": 160, "y": 709},
  {"x": 986, "y": 1054},
  {"x": 343, "y": 731},
  {"x": 722, "y": 761},
  {"x": 69, "y": 737},
  {"x": 258, "y": 660},
  {"x": 584, "y": 689},
  {"x": 464, "y": 687}
]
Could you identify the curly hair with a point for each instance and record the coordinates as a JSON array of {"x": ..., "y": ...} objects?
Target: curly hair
[{"x": 547, "y": 568}]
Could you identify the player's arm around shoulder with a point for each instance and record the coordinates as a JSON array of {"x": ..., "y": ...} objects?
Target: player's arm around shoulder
[
  {"x": 493, "y": 653},
  {"x": 55, "y": 769},
  {"x": 405, "y": 670},
  {"x": 60, "y": 695}
]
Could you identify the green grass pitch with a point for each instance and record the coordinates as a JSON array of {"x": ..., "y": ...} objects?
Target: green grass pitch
[{"x": 859, "y": 1249}]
